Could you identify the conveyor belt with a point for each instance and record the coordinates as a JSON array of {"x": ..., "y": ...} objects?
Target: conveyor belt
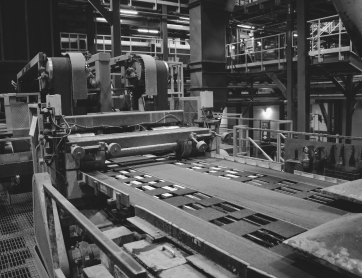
[
  {"x": 288, "y": 208},
  {"x": 284, "y": 185},
  {"x": 230, "y": 239}
]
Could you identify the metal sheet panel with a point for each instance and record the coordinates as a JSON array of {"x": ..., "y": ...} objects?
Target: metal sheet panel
[{"x": 335, "y": 244}]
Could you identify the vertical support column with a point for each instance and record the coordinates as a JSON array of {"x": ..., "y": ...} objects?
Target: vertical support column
[
  {"x": 116, "y": 37},
  {"x": 282, "y": 114},
  {"x": 303, "y": 67},
  {"x": 291, "y": 111},
  {"x": 2, "y": 54},
  {"x": 54, "y": 22},
  {"x": 116, "y": 28},
  {"x": 27, "y": 30},
  {"x": 350, "y": 102},
  {"x": 91, "y": 29},
  {"x": 164, "y": 33},
  {"x": 208, "y": 20},
  {"x": 251, "y": 109}
]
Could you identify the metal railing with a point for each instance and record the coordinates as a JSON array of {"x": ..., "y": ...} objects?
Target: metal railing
[
  {"x": 257, "y": 51},
  {"x": 328, "y": 35},
  {"x": 179, "y": 50},
  {"x": 143, "y": 45},
  {"x": 176, "y": 76},
  {"x": 242, "y": 140},
  {"x": 254, "y": 136}
]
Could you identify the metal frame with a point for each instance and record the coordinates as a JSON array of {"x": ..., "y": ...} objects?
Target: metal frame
[
  {"x": 241, "y": 142},
  {"x": 132, "y": 42},
  {"x": 329, "y": 29},
  {"x": 45, "y": 189},
  {"x": 176, "y": 67},
  {"x": 175, "y": 45}
]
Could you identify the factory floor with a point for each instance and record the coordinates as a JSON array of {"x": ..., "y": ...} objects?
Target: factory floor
[{"x": 17, "y": 241}]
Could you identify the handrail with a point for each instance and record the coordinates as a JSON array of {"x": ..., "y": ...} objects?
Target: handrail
[
  {"x": 120, "y": 258},
  {"x": 258, "y": 56},
  {"x": 260, "y": 149},
  {"x": 241, "y": 135}
]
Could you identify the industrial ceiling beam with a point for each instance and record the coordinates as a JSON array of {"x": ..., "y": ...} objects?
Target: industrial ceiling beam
[
  {"x": 339, "y": 86},
  {"x": 279, "y": 84},
  {"x": 100, "y": 8}
]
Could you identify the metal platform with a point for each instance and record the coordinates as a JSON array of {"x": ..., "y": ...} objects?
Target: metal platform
[{"x": 17, "y": 242}]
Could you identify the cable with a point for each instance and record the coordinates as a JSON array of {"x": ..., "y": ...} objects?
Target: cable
[
  {"x": 65, "y": 179},
  {"x": 167, "y": 116}
]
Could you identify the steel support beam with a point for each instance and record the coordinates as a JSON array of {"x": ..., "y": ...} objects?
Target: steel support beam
[
  {"x": 291, "y": 111},
  {"x": 279, "y": 84},
  {"x": 356, "y": 88},
  {"x": 116, "y": 28},
  {"x": 251, "y": 109},
  {"x": 116, "y": 37},
  {"x": 2, "y": 53},
  {"x": 303, "y": 67},
  {"x": 106, "y": 14},
  {"x": 350, "y": 103},
  {"x": 27, "y": 30},
  {"x": 91, "y": 29},
  {"x": 164, "y": 33},
  {"x": 325, "y": 117},
  {"x": 339, "y": 86}
]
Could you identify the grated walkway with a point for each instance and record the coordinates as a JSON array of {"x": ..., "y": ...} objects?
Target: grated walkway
[{"x": 17, "y": 239}]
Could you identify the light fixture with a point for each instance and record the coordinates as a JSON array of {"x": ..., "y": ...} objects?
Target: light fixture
[
  {"x": 267, "y": 112},
  {"x": 148, "y": 31},
  {"x": 246, "y": 26},
  {"x": 128, "y": 12},
  {"x": 101, "y": 19},
  {"x": 295, "y": 35},
  {"x": 184, "y": 18},
  {"x": 178, "y": 27}
]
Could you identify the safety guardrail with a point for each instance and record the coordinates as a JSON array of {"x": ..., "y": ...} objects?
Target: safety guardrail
[{"x": 327, "y": 36}]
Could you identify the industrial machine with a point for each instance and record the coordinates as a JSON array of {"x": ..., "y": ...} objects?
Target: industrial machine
[
  {"x": 85, "y": 85},
  {"x": 144, "y": 194}
]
